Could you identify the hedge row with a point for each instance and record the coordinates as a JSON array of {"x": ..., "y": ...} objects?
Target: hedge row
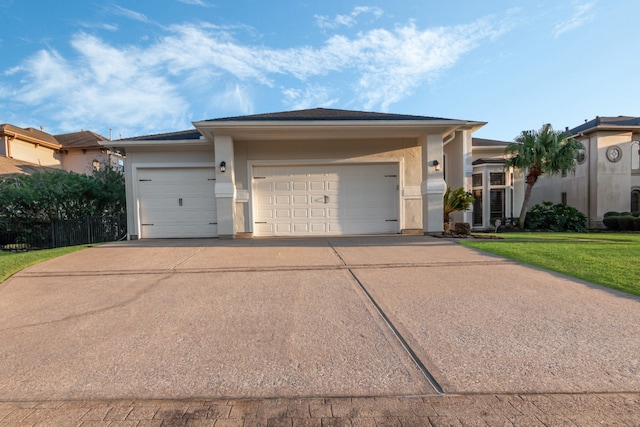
[{"x": 622, "y": 221}]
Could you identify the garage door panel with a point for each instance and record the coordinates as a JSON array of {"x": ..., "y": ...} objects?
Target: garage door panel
[
  {"x": 300, "y": 186},
  {"x": 332, "y": 199},
  {"x": 282, "y": 200},
  {"x": 319, "y": 227},
  {"x": 301, "y": 213},
  {"x": 177, "y": 202},
  {"x": 317, "y": 185},
  {"x": 283, "y": 228},
  {"x": 300, "y": 200},
  {"x": 283, "y": 186},
  {"x": 318, "y": 213}
]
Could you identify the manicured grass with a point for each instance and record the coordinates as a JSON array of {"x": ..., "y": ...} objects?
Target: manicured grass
[
  {"x": 12, "y": 262},
  {"x": 608, "y": 259}
]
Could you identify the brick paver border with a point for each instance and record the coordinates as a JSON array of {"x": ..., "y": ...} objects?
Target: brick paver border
[{"x": 621, "y": 409}]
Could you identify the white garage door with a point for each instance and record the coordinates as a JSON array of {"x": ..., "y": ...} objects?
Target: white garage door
[
  {"x": 325, "y": 200},
  {"x": 177, "y": 202}
]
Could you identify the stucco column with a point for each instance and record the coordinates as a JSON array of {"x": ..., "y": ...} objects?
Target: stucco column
[
  {"x": 467, "y": 143},
  {"x": 433, "y": 185},
  {"x": 225, "y": 188}
]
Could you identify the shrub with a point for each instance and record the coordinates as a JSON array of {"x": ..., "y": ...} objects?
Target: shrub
[
  {"x": 636, "y": 223},
  {"x": 625, "y": 223},
  {"x": 611, "y": 213},
  {"x": 611, "y": 222},
  {"x": 636, "y": 214},
  {"x": 558, "y": 217}
]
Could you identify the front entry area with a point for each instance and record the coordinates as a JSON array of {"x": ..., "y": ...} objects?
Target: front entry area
[
  {"x": 177, "y": 202},
  {"x": 335, "y": 199}
]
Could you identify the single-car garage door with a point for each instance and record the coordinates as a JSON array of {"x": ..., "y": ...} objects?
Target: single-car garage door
[
  {"x": 177, "y": 202},
  {"x": 325, "y": 199}
]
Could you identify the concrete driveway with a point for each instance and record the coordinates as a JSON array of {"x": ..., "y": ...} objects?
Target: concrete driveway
[{"x": 349, "y": 316}]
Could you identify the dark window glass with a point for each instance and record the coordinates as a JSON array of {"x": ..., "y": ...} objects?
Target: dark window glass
[
  {"x": 635, "y": 201},
  {"x": 477, "y": 179},
  {"x": 477, "y": 207},
  {"x": 497, "y": 203},
  {"x": 563, "y": 198},
  {"x": 496, "y": 178}
]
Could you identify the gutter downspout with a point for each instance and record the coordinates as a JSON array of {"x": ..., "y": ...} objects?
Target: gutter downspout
[{"x": 451, "y": 138}]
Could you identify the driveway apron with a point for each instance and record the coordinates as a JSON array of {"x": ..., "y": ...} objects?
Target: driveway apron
[{"x": 349, "y": 316}]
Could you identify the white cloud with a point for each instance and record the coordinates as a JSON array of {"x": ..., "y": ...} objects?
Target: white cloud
[
  {"x": 235, "y": 98},
  {"x": 105, "y": 85},
  {"x": 100, "y": 26},
  {"x": 326, "y": 22},
  {"x": 139, "y": 89},
  {"x": 581, "y": 16},
  {"x": 194, "y": 2},
  {"x": 311, "y": 96},
  {"x": 128, "y": 13}
]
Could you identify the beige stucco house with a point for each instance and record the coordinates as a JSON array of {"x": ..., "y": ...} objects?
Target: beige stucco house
[
  {"x": 79, "y": 152},
  {"x": 607, "y": 176},
  {"x": 297, "y": 173}
]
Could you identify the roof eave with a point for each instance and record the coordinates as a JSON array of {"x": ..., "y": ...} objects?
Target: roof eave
[
  {"x": 31, "y": 139},
  {"x": 156, "y": 143},
  {"x": 604, "y": 128},
  {"x": 266, "y": 129}
]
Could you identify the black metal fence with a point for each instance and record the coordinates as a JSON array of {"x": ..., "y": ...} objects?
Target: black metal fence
[{"x": 32, "y": 235}]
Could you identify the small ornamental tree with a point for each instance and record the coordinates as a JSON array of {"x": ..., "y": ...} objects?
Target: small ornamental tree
[
  {"x": 454, "y": 201},
  {"x": 541, "y": 152}
]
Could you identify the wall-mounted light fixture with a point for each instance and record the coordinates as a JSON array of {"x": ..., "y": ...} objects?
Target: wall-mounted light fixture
[
  {"x": 436, "y": 164},
  {"x": 223, "y": 166}
]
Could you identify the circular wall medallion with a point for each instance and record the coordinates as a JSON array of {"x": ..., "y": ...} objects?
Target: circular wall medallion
[{"x": 614, "y": 153}]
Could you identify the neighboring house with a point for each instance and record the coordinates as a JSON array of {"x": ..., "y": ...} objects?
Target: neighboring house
[
  {"x": 297, "y": 173},
  {"x": 78, "y": 152},
  {"x": 498, "y": 192},
  {"x": 12, "y": 167},
  {"x": 607, "y": 176},
  {"x": 30, "y": 145},
  {"x": 83, "y": 152}
]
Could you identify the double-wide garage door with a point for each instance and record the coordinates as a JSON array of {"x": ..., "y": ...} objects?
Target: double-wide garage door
[
  {"x": 177, "y": 202},
  {"x": 325, "y": 199}
]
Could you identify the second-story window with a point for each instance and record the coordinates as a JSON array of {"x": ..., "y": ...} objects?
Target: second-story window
[{"x": 635, "y": 156}]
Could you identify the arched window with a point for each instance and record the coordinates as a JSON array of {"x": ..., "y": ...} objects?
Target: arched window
[
  {"x": 635, "y": 156},
  {"x": 635, "y": 200}
]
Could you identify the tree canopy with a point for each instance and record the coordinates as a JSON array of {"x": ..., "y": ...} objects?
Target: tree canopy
[
  {"x": 545, "y": 151},
  {"x": 51, "y": 195}
]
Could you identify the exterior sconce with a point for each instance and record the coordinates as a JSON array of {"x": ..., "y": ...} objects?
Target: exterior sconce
[
  {"x": 223, "y": 166},
  {"x": 436, "y": 164}
]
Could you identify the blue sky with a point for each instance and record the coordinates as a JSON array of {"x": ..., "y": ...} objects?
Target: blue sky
[{"x": 150, "y": 66}]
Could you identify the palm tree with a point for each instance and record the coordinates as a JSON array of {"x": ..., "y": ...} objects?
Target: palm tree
[{"x": 541, "y": 152}]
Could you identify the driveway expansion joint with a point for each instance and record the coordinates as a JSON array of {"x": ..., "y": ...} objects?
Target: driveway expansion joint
[
  {"x": 405, "y": 345},
  {"x": 172, "y": 270}
]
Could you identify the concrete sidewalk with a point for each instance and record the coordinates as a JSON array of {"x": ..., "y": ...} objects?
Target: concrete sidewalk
[{"x": 351, "y": 318}]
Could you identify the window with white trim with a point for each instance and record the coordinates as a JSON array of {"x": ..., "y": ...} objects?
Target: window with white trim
[
  {"x": 635, "y": 200},
  {"x": 635, "y": 156}
]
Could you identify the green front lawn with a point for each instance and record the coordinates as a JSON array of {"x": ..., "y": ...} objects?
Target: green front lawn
[
  {"x": 608, "y": 259},
  {"x": 12, "y": 262}
]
